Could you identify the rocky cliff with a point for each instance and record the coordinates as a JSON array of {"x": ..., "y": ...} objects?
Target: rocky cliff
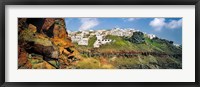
[{"x": 44, "y": 43}]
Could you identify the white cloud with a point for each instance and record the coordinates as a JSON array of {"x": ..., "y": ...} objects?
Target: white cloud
[
  {"x": 130, "y": 19},
  {"x": 88, "y": 23},
  {"x": 174, "y": 24},
  {"x": 159, "y": 23}
]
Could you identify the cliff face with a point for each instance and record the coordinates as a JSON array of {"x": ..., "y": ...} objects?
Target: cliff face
[{"x": 44, "y": 43}]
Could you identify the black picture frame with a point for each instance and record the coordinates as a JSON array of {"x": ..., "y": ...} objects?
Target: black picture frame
[{"x": 99, "y": 2}]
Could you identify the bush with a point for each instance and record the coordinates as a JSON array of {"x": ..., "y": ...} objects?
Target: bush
[{"x": 137, "y": 37}]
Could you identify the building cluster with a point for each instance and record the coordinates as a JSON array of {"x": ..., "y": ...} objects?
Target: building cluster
[
  {"x": 151, "y": 36},
  {"x": 82, "y": 37},
  {"x": 78, "y": 37},
  {"x": 177, "y": 45},
  {"x": 122, "y": 32},
  {"x": 100, "y": 40}
]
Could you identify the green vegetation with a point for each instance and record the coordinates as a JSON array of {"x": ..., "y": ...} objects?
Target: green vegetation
[
  {"x": 36, "y": 60},
  {"x": 91, "y": 41},
  {"x": 54, "y": 63},
  {"x": 26, "y": 35},
  {"x": 117, "y": 44},
  {"x": 137, "y": 62},
  {"x": 93, "y": 63},
  {"x": 162, "y": 45},
  {"x": 89, "y": 64},
  {"x": 137, "y": 37}
]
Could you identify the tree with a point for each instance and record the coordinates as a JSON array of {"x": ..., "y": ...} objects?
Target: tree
[{"x": 137, "y": 37}]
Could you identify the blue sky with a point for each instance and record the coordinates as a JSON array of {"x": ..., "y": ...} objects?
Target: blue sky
[{"x": 167, "y": 28}]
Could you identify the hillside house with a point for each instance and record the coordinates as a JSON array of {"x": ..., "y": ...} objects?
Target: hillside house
[
  {"x": 83, "y": 41},
  {"x": 100, "y": 41},
  {"x": 76, "y": 38},
  {"x": 151, "y": 36}
]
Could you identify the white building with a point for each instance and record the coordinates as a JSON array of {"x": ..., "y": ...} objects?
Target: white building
[
  {"x": 99, "y": 37},
  {"x": 82, "y": 37},
  {"x": 83, "y": 41},
  {"x": 116, "y": 32},
  {"x": 128, "y": 32},
  {"x": 176, "y": 44},
  {"x": 105, "y": 41},
  {"x": 76, "y": 38},
  {"x": 96, "y": 44},
  {"x": 100, "y": 41},
  {"x": 122, "y": 32},
  {"x": 85, "y": 32},
  {"x": 151, "y": 36},
  {"x": 79, "y": 38}
]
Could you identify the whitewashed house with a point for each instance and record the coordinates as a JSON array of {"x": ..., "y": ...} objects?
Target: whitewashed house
[
  {"x": 83, "y": 41},
  {"x": 76, "y": 38},
  {"x": 100, "y": 41},
  {"x": 122, "y": 32},
  {"x": 151, "y": 36},
  {"x": 176, "y": 44},
  {"x": 105, "y": 41},
  {"x": 127, "y": 32},
  {"x": 85, "y": 32},
  {"x": 116, "y": 32},
  {"x": 96, "y": 44}
]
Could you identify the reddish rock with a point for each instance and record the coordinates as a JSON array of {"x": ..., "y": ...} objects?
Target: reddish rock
[
  {"x": 48, "y": 23},
  {"x": 104, "y": 61},
  {"x": 60, "y": 30},
  {"x": 32, "y": 28},
  {"x": 56, "y": 30},
  {"x": 62, "y": 42},
  {"x": 22, "y": 57},
  {"x": 49, "y": 39},
  {"x": 21, "y": 24},
  {"x": 28, "y": 65},
  {"x": 62, "y": 33},
  {"x": 46, "y": 51}
]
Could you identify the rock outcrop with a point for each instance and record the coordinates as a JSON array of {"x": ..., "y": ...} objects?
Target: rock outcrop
[{"x": 44, "y": 43}]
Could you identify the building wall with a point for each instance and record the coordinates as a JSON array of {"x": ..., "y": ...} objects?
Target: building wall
[{"x": 83, "y": 41}]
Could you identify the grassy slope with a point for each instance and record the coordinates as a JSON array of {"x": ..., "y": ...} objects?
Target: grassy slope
[
  {"x": 120, "y": 43},
  {"x": 163, "y": 47},
  {"x": 91, "y": 41},
  {"x": 139, "y": 61}
]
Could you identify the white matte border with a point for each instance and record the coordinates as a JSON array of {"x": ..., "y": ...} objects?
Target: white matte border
[{"x": 186, "y": 74}]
